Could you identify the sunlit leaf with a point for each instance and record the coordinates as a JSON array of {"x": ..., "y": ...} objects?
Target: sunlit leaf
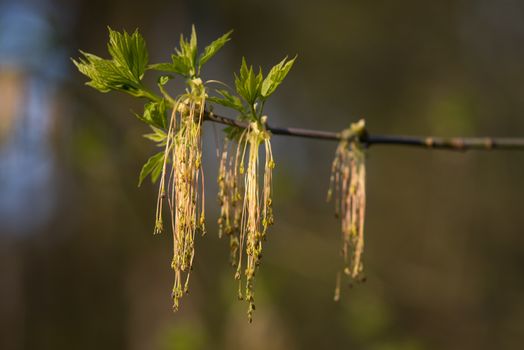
[
  {"x": 154, "y": 114},
  {"x": 152, "y": 167},
  {"x": 213, "y": 48},
  {"x": 179, "y": 65},
  {"x": 124, "y": 71},
  {"x": 158, "y": 135},
  {"x": 248, "y": 84},
  {"x": 275, "y": 77},
  {"x": 129, "y": 52},
  {"x": 227, "y": 100}
]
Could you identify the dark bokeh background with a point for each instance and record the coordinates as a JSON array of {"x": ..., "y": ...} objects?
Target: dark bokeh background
[{"x": 80, "y": 268}]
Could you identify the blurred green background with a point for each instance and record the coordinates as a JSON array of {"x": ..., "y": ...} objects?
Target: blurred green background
[{"x": 80, "y": 268}]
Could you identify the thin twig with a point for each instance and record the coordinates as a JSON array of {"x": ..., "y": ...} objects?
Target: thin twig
[{"x": 454, "y": 143}]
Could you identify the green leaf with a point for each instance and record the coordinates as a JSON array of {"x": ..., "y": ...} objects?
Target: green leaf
[
  {"x": 183, "y": 65},
  {"x": 128, "y": 52},
  {"x": 183, "y": 61},
  {"x": 159, "y": 136},
  {"x": 88, "y": 67},
  {"x": 244, "y": 71},
  {"x": 255, "y": 84},
  {"x": 152, "y": 167},
  {"x": 163, "y": 79},
  {"x": 105, "y": 75},
  {"x": 193, "y": 44},
  {"x": 213, "y": 48},
  {"x": 164, "y": 67},
  {"x": 248, "y": 84},
  {"x": 179, "y": 65},
  {"x": 155, "y": 114},
  {"x": 275, "y": 77},
  {"x": 227, "y": 100},
  {"x": 187, "y": 53},
  {"x": 124, "y": 71}
]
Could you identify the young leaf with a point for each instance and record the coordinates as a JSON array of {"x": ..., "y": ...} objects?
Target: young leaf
[
  {"x": 248, "y": 84},
  {"x": 184, "y": 58},
  {"x": 90, "y": 66},
  {"x": 193, "y": 44},
  {"x": 128, "y": 52},
  {"x": 227, "y": 100},
  {"x": 213, "y": 48},
  {"x": 158, "y": 135},
  {"x": 256, "y": 85},
  {"x": 241, "y": 77},
  {"x": 155, "y": 114},
  {"x": 187, "y": 53},
  {"x": 121, "y": 73},
  {"x": 175, "y": 67},
  {"x": 105, "y": 75},
  {"x": 244, "y": 71},
  {"x": 163, "y": 79},
  {"x": 153, "y": 166},
  {"x": 275, "y": 77}
]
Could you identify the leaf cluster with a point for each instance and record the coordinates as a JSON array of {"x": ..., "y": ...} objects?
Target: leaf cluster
[
  {"x": 124, "y": 71},
  {"x": 129, "y": 60},
  {"x": 186, "y": 61},
  {"x": 253, "y": 89},
  {"x": 152, "y": 167}
]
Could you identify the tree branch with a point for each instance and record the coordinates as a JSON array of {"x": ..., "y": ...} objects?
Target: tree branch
[{"x": 454, "y": 143}]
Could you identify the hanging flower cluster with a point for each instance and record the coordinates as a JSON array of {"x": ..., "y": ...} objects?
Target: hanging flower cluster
[
  {"x": 246, "y": 206},
  {"x": 246, "y": 162},
  {"x": 348, "y": 185},
  {"x": 185, "y": 184}
]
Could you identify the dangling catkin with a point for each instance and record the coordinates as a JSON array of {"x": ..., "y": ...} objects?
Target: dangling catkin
[
  {"x": 246, "y": 209},
  {"x": 348, "y": 182},
  {"x": 185, "y": 188}
]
